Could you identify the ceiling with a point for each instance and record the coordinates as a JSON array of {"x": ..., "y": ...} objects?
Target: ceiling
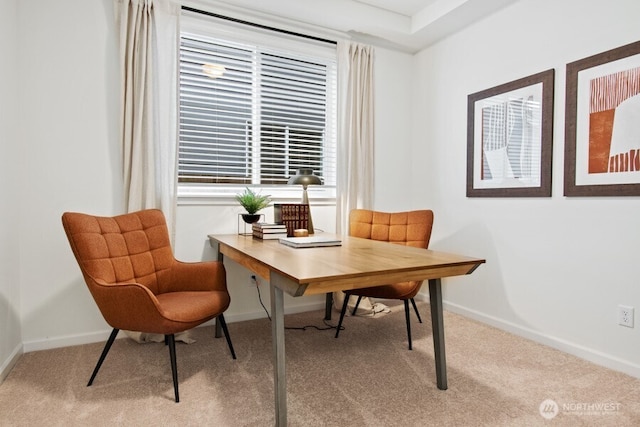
[
  {"x": 409, "y": 25},
  {"x": 403, "y": 7}
]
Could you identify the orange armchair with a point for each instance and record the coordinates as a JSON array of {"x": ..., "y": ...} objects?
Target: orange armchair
[
  {"x": 411, "y": 228},
  {"x": 128, "y": 264}
]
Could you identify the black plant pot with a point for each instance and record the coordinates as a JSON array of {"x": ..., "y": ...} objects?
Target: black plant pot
[{"x": 250, "y": 218}]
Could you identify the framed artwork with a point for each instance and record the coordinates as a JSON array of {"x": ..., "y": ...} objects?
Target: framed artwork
[
  {"x": 510, "y": 138},
  {"x": 602, "y": 124}
]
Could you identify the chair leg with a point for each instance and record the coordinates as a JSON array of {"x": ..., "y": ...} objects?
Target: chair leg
[
  {"x": 415, "y": 308},
  {"x": 223, "y": 324},
  {"x": 107, "y": 346},
  {"x": 171, "y": 339},
  {"x": 342, "y": 313},
  {"x": 353, "y": 313},
  {"x": 408, "y": 318}
]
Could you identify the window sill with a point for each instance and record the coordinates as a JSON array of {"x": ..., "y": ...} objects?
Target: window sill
[{"x": 225, "y": 196}]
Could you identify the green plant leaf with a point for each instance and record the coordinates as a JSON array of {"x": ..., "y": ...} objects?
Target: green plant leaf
[{"x": 251, "y": 201}]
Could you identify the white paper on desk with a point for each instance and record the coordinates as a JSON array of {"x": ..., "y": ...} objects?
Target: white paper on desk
[{"x": 310, "y": 241}]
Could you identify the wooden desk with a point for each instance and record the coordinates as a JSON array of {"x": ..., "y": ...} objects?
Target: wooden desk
[{"x": 357, "y": 263}]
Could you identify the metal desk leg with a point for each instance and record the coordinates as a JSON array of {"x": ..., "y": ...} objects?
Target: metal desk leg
[
  {"x": 327, "y": 306},
  {"x": 435, "y": 297},
  {"x": 279, "y": 374},
  {"x": 216, "y": 250}
]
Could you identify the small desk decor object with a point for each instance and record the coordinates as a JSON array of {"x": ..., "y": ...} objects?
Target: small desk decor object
[
  {"x": 602, "y": 130},
  {"x": 310, "y": 241},
  {"x": 252, "y": 202},
  {"x": 509, "y": 138},
  {"x": 300, "y": 232}
]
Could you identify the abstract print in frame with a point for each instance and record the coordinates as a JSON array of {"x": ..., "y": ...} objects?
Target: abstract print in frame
[
  {"x": 602, "y": 125},
  {"x": 509, "y": 138}
]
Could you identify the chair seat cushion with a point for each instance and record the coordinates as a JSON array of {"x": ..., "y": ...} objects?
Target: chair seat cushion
[{"x": 192, "y": 307}]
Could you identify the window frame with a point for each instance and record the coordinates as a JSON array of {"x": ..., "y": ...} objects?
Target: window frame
[{"x": 197, "y": 193}]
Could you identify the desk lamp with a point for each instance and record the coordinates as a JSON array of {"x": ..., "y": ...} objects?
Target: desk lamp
[{"x": 305, "y": 177}]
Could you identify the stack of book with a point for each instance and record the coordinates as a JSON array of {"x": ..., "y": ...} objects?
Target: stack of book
[{"x": 263, "y": 230}]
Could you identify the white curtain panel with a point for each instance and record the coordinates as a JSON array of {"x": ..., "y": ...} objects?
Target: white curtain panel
[
  {"x": 354, "y": 186},
  {"x": 148, "y": 32},
  {"x": 355, "y": 131}
]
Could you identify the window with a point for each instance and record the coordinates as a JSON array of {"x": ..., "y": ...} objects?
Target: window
[{"x": 253, "y": 113}]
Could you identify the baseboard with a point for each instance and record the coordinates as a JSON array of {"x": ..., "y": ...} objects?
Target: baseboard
[
  {"x": 11, "y": 361},
  {"x": 298, "y": 308},
  {"x": 597, "y": 357},
  {"x": 102, "y": 336},
  {"x": 67, "y": 341}
]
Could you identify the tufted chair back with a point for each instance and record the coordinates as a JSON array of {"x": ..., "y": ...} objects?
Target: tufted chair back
[
  {"x": 127, "y": 248},
  {"x": 412, "y": 228}
]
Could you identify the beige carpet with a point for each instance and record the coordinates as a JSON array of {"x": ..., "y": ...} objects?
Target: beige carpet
[{"x": 367, "y": 377}]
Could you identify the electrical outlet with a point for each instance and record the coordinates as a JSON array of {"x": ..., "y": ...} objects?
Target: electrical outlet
[
  {"x": 253, "y": 280},
  {"x": 625, "y": 316}
]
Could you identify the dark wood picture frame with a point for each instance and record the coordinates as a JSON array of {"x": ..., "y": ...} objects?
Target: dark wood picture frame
[
  {"x": 475, "y": 147},
  {"x": 575, "y": 115}
]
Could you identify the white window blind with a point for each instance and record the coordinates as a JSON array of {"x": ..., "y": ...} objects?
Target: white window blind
[{"x": 252, "y": 114}]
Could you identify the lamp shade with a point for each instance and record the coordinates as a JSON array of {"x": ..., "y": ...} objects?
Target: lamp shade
[{"x": 304, "y": 177}]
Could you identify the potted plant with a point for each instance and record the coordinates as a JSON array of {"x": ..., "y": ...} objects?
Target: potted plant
[{"x": 252, "y": 202}]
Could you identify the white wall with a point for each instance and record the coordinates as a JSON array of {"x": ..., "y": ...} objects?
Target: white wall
[
  {"x": 68, "y": 130},
  {"x": 68, "y": 127},
  {"x": 392, "y": 88},
  {"x": 10, "y": 335},
  {"x": 557, "y": 267}
]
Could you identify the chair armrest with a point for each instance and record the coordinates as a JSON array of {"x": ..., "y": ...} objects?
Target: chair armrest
[
  {"x": 129, "y": 306},
  {"x": 198, "y": 276}
]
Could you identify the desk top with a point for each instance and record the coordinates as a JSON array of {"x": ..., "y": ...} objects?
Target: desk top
[{"x": 357, "y": 263}]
